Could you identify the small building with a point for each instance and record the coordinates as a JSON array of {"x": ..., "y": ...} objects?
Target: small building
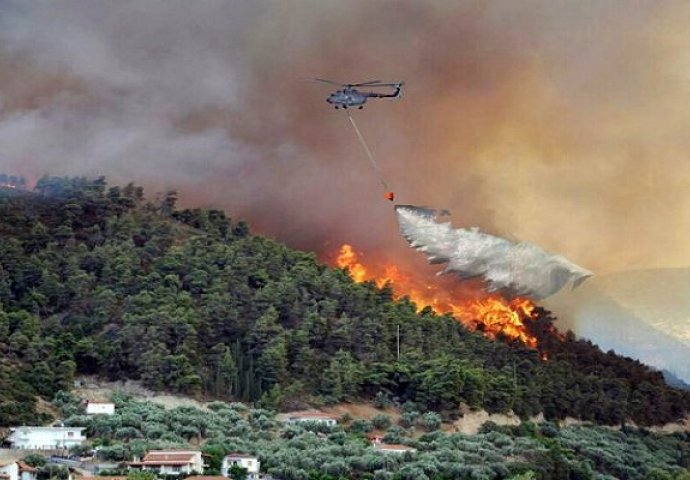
[
  {"x": 9, "y": 471},
  {"x": 46, "y": 438},
  {"x": 250, "y": 463},
  {"x": 393, "y": 448},
  {"x": 100, "y": 408},
  {"x": 313, "y": 416},
  {"x": 171, "y": 462},
  {"x": 26, "y": 472}
]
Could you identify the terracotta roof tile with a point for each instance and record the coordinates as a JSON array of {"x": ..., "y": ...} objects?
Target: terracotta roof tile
[
  {"x": 167, "y": 457},
  {"x": 312, "y": 414},
  {"x": 239, "y": 455},
  {"x": 24, "y": 467}
]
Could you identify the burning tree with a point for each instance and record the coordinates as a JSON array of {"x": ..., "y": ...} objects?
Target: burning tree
[{"x": 492, "y": 314}]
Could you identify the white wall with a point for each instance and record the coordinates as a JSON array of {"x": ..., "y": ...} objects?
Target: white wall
[
  {"x": 46, "y": 438},
  {"x": 100, "y": 408},
  {"x": 328, "y": 421},
  {"x": 12, "y": 470},
  {"x": 251, "y": 464}
]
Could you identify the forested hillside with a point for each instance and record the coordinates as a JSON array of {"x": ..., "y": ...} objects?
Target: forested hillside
[{"x": 98, "y": 280}]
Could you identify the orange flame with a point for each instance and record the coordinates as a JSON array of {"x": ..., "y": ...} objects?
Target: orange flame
[
  {"x": 497, "y": 316},
  {"x": 347, "y": 258},
  {"x": 492, "y": 314}
]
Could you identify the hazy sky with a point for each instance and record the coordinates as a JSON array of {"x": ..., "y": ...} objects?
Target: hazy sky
[{"x": 558, "y": 122}]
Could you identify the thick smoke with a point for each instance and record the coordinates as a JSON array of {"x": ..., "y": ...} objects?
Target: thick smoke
[
  {"x": 515, "y": 268},
  {"x": 543, "y": 119}
]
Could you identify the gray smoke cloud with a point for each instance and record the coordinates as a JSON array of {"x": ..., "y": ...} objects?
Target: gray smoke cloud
[
  {"x": 549, "y": 119},
  {"x": 515, "y": 268}
]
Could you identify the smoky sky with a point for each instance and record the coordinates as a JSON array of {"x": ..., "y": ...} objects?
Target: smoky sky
[{"x": 555, "y": 122}]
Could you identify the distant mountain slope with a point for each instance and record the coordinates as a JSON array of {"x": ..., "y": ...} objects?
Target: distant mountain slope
[
  {"x": 643, "y": 313},
  {"x": 659, "y": 297}
]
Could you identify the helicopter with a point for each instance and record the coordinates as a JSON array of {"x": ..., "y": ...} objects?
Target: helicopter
[{"x": 349, "y": 96}]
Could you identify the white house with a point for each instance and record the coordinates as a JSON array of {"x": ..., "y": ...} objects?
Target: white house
[
  {"x": 9, "y": 471},
  {"x": 394, "y": 448},
  {"x": 248, "y": 462},
  {"x": 171, "y": 462},
  {"x": 46, "y": 438},
  {"x": 100, "y": 408},
  {"x": 313, "y": 416}
]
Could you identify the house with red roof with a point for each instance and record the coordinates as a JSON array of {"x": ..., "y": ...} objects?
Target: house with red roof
[
  {"x": 26, "y": 472},
  {"x": 171, "y": 462}
]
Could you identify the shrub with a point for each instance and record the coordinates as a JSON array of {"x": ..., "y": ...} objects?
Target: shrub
[
  {"x": 361, "y": 426},
  {"x": 382, "y": 422},
  {"x": 395, "y": 434},
  {"x": 80, "y": 450},
  {"x": 382, "y": 400},
  {"x": 35, "y": 460},
  {"x": 408, "y": 419},
  {"x": 430, "y": 421}
]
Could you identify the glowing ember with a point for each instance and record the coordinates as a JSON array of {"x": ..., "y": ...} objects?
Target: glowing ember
[{"x": 493, "y": 315}]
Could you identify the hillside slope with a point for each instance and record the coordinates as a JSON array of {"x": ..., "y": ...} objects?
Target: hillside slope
[{"x": 96, "y": 280}]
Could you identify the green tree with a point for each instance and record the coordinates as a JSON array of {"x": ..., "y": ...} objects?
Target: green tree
[
  {"x": 237, "y": 473},
  {"x": 343, "y": 377},
  {"x": 141, "y": 475}
]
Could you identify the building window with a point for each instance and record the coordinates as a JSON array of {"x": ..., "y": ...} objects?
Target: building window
[{"x": 70, "y": 434}]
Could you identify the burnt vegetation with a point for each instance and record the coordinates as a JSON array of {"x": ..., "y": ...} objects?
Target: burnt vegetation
[{"x": 99, "y": 280}]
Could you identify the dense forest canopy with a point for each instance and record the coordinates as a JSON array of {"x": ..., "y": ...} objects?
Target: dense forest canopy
[{"x": 96, "y": 279}]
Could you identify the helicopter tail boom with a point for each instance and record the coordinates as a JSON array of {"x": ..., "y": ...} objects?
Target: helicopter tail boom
[{"x": 396, "y": 93}]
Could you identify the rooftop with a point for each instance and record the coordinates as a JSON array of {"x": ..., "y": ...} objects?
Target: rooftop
[
  {"x": 312, "y": 414},
  {"x": 24, "y": 467},
  {"x": 168, "y": 457},
  {"x": 37, "y": 428},
  {"x": 393, "y": 446},
  {"x": 239, "y": 455}
]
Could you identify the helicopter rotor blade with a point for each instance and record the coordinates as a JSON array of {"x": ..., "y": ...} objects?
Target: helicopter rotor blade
[
  {"x": 386, "y": 85},
  {"x": 371, "y": 82},
  {"x": 331, "y": 82}
]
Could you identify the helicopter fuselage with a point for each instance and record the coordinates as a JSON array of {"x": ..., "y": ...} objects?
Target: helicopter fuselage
[{"x": 349, "y": 97}]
